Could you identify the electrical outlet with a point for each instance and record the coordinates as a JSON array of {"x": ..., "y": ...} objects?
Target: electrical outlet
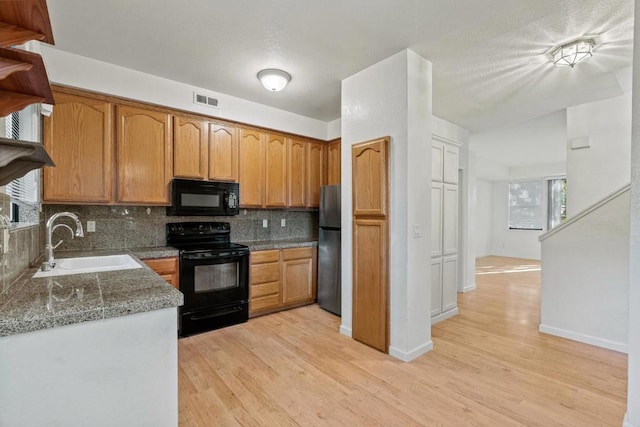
[
  {"x": 91, "y": 226},
  {"x": 265, "y": 223},
  {"x": 417, "y": 231},
  {"x": 283, "y": 222}
]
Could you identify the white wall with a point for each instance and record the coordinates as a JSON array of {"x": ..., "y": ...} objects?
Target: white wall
[
  {"x": 595, "y": 172},
  {"x": 86, "y": 73},
  {"x": 484, "y": 216},
  {"x": 585, "y": 277},
  {"x": 393, "y": 98},
  {"x": 121, "y": 371},
  {"x": 632, "y": 418}
]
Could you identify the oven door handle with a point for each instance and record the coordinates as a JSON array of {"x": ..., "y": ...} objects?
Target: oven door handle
[{"x": 217, "y": 313}]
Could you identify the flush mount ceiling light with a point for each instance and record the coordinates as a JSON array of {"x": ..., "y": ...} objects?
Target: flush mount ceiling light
[
  {"x": 273, "y": 79},
  {"x": 570, "y": 54}
]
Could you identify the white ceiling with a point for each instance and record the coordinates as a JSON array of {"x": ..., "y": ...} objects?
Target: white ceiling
[{"x": 489, "y": 58}]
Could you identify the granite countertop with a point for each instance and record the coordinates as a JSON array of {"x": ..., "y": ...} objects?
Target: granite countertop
[
  {"x": 155, "y": 252},
  {"x": 263, "y": 245},
  {"x": 33, "y": 304}
]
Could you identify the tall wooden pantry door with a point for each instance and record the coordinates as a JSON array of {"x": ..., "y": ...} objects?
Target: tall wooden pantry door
[{"x": 370, "y": 162}]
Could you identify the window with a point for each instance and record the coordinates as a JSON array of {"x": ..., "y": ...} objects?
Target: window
[
  {"x": 525, "y": 205},
  {"x": 557, "y": 206},
  {"x": 24, "y": 192}
]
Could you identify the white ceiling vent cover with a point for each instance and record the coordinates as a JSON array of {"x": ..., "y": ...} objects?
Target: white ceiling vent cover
[{"x": 205, "y": 100}]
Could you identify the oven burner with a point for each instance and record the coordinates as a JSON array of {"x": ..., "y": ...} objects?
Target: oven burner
[{"x": 214, "y": 276}]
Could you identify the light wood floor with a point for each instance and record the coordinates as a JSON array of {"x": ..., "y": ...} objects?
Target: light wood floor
[{"x": 490, "y": 366}]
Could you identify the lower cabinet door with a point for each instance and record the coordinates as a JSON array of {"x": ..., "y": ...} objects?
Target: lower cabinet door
[
  {"x": 449, "y": 283},
  {"x": 436, "y": 286},
  {"x": 297, "y": 280},
  {"x": 370, "y": 283}
]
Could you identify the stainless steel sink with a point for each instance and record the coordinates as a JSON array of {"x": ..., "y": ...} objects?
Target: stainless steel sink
[{"x": 91, "y": 264}]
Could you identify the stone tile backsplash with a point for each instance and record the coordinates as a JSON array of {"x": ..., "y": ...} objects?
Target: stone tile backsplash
[
  {"x": 139, "y": 226},
  {"x": 25, "y": 248}
]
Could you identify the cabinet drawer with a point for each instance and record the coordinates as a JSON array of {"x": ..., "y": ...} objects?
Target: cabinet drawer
[
  {"x": 264, "y": 273},
  {"x": 263, "y": 289},
  {"x": 163, "y": 265},
  {"x": 265, "y": 256},
  {"x": 297, "y": 253},
  {"x": 264, "y": 303}
]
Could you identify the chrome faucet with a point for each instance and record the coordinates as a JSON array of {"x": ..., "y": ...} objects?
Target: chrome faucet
[{"x": 50, "y": 262}]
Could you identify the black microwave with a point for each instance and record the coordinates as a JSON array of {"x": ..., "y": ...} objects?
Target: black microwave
[{"x": 204, "y": 198}]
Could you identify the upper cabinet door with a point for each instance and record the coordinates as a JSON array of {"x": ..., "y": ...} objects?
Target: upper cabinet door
[
  {"x": 315, "y": 172},
  {"x": 450, "y": 163},
  {"x": 144, "y": 160},
  {"x": 437, "y": 156},
  {"x": 189, "y": 148},
  {"x": 223, "y": 152},
  {"x": 449, "y": 219},
  {"x": 276, "y": 170},
  {"x": 297, "y": 166},
  {"x": 333, "y": 162},
  {"x": 251, "y": 153},
  {"x": 78, "y": 137},
  {"x": 370, "y": 169}
]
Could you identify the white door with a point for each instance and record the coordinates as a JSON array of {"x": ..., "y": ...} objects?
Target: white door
[
  {"x": 436, "y": 219},
  {"x": 449, "y": 283},
  {"x": 437, "y": 156},
  {"x": 436, "y": 287},
  {"x": 450, "y": 164},
  {"x": 449, "y": 219}
]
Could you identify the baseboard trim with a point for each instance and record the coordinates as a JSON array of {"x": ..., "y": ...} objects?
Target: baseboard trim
[
  {"x": 444, "y": 316},
  {"x": 345, "y": 330},
  {"x": 469, "y": 288},
  {"x": 413, "y": 354},
  {"x": 627, "y": 423},
  {"x": 587, "y": 339}
]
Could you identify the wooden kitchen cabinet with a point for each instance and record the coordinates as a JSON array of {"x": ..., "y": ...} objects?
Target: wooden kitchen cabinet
[
  {"x": 296, "y": 173},
  {"x": 298, "y": 278},
  {"x": 204, "y": 150},
  {"x": 167, "y": 268},
  {"x": 223, "y": 152},
  {"x": 315, "y": 172},
  {"x": 78, "y": 137},
  {"x": 144, "y": 160},
  {"x": 251, "y": 176},
  {"x": 334, "y": 156},
  {"x": 190, "y": 148},
  {"x": 282, "y": 279},
  {"x": 276, "y": 170},
  {"x": 264, "y": 276}
]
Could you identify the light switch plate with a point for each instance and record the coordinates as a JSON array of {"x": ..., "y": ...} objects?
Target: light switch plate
[
  {"x": 5, "y": 240},
  {"x": 265, "y": 223},
  {"x": 283, "y": 222},
  {"x": 91, "y": 226}
]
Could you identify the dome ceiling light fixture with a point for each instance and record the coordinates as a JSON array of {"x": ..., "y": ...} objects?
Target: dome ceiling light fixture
[
  {"x": 274, "y": 80},
  {"x": 568, "y": 55}
]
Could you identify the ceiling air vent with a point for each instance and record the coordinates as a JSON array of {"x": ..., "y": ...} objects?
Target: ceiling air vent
[{"x": 205, "y": 100}]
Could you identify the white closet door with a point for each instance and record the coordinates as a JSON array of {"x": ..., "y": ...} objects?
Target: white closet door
[
  {"x": 436, "y": 287},
  {"x": 449, "y": 283},
  {"x": 450, "y": 164},
  {"x": 449, "y": 219},
  {"x": 436, "y": 219},
  {"x": 437, "y": 158}
]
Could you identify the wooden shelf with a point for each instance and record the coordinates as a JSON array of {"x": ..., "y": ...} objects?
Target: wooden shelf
[
  {"x": 9, "y": 66},
  {"x": 12, "y": 101},
  {"x": 22, "y": 88},
  {"x": 25, "y": 16},
  {"x": 10, "y": 35}
]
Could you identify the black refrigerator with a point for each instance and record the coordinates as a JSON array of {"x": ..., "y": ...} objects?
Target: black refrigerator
[{"x": 329, "y": 284}]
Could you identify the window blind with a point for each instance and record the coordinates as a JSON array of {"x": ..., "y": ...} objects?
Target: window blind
[{"x": 525, "y": 205}]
